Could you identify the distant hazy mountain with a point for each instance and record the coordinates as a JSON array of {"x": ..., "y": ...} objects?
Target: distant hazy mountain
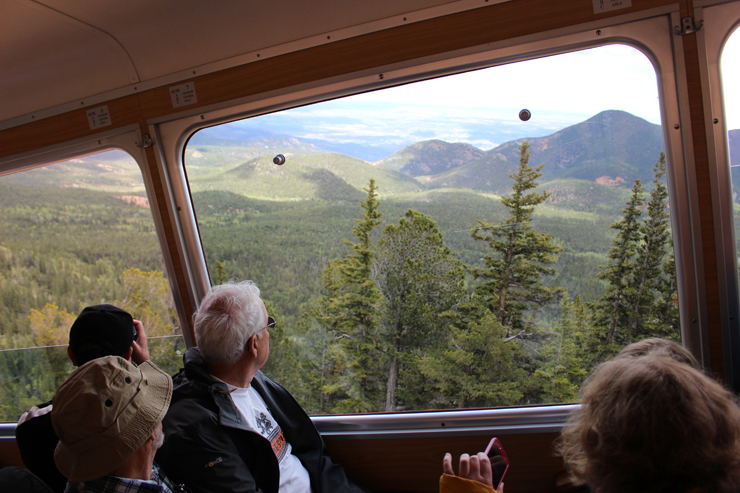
[
  {"x": 734, "y": 138},
  {"x": 276, "y": 144},
  {"x": 612, "y": 148},
  {"x": 372, "y": 130},
  {"x": 430, "y": 157}
]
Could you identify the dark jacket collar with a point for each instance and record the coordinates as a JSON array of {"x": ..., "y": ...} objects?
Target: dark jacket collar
[{"x": 196, "y": 371}]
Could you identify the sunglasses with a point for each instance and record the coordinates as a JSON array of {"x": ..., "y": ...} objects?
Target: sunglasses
[{"x": 270, "y": 323}]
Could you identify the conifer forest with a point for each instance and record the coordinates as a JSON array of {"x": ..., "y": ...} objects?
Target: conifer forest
[{"x": 394, "y": 288}]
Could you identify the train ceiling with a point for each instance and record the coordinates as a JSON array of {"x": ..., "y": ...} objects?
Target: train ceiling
[{"x": 56, "y": 53}]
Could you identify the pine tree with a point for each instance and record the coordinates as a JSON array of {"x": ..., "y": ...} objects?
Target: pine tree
[
  {"x": 319, "y": 330},
  {"x": 521, "y": 256},
  {"x": 667, "y": 321},
  {"x": 220, "y": 273},
  {"x": 564, "y": 366},
  {"x": 474, "y": 367},
  {"x": 652, "y": 251},
  {"x": 419, "y": 279},
  {"x": 614, "y": 309},
  {"x": 358, "y": 354}
]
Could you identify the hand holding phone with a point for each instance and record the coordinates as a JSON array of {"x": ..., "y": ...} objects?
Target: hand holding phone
[{"x": 499, "y": 462}]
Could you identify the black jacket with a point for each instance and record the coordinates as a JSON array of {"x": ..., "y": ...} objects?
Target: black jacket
[
  {"x": 36, "y": 442},
  {"x": 209, "y": 447}
]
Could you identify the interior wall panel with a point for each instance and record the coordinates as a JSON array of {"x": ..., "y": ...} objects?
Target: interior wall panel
[
  {"x": 415, "y": 464},
  {"x": 458, "y": 31},
  {"x": 66, "y": 127}
]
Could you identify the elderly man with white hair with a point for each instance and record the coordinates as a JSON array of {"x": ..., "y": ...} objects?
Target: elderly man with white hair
[{"x": 229, "y": 427}]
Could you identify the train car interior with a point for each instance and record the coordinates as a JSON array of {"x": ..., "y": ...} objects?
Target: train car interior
[{"x": 150, "y": 150}]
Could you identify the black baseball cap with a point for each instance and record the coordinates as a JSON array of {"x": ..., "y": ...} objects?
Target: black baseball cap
[{"x": 101, "y": 330}]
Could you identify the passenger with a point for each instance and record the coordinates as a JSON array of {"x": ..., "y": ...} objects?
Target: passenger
[
  {"x": 653, "y": 424},
  {"x": 230, "y": 428},
  {"x": 475, "y": 471},
  {"x": 660, "y": 347},
  {"x": 476, "y": 475},
  {"x": 100, "y": 330},
  {"x": 108, "y": 417}
]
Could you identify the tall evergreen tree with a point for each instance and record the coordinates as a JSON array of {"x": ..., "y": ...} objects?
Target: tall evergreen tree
[
  {"x": 320, "y": 331},
  {"x": 358, "y": 354},
  {"x": 220, "y": 273},
  {"x": 652, "y": 251},
  {"x": 521, "y": 256},
  {"x": 666, "y": 306},
  {"x": 419, "y": 278},
  {"x": 474, "y": 368},
  {"x": 613, "y": 308},
  {"x": 564, "y": 360}
]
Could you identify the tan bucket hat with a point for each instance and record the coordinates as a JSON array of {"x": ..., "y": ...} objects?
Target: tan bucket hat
[{"x": 104, "y": 412}]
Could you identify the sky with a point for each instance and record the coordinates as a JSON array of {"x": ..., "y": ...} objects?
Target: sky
[
  {"x": 481, "y": 108},
  {"x": 573, "y": 84},
  {"x": 730, "y": 69}
]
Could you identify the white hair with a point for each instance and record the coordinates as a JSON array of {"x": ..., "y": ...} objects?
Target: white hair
[{"x": 228, "y": 316}]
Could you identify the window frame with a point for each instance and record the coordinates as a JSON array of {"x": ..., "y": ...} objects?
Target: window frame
[
  {"x": 649, "y": 31},
  {"x": 126, "y": 139},
  {"x": 721, "y": 20}
]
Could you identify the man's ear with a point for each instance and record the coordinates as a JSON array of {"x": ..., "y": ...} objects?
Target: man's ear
[
  {"x": 253, "y": 346},
  {"x": 127, "y": 354},
  {"x": 71, "y": 356}
]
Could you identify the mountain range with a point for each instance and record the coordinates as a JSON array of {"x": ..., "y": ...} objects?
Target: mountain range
[
  {"x": 608, "y": 151},
  {"x": 612, "y": 148}
]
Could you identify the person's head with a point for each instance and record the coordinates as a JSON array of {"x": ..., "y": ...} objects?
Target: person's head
[
  {"x": 105, "y": 412},
  {"x": 653, "y": 424},
  {"x": 227, "y": 318},
  {"x": 101, "y": 330},
  {"x": 660, "y": 347}
]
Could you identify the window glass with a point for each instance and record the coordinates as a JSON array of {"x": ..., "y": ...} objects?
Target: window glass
[
  {"x": 74, "y": 234},
  {"x": 432, "y": 246},
  {"x": 730, "y": 79}
]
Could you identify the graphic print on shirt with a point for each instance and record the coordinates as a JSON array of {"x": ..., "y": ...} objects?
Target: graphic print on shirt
[{"x": 273, "y": 433}]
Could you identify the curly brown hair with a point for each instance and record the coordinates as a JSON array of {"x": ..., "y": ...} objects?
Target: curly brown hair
[
  {"x": 653, "y": 424},
  {"x": 660, "y": 347}
]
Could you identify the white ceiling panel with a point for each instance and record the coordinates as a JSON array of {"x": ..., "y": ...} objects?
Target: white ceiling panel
[
  {"x": 47, "y": 59},
  {"x": 54, "y": 52}
]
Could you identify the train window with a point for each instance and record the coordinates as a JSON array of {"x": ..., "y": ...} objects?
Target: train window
[
  {"x": 730, "y": 79},
  {"x": 480, "y": 239},
  {"x": 74, "y": 234}
]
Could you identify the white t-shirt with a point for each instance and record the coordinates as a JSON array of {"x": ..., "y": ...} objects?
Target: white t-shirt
[{"x": 293, "y": 476}]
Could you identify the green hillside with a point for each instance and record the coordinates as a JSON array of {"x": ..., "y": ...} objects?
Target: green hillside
[
  {"x": 584, "y": 195},
  {"x": 113, "y": 171},
  {"x": 324, "y": 176}
]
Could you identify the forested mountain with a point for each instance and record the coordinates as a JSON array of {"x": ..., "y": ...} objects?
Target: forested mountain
[
  {"x": 612, "y": 148},
  {"x": 430, "y": 157},
  {"x": 80, "y": 232}
]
